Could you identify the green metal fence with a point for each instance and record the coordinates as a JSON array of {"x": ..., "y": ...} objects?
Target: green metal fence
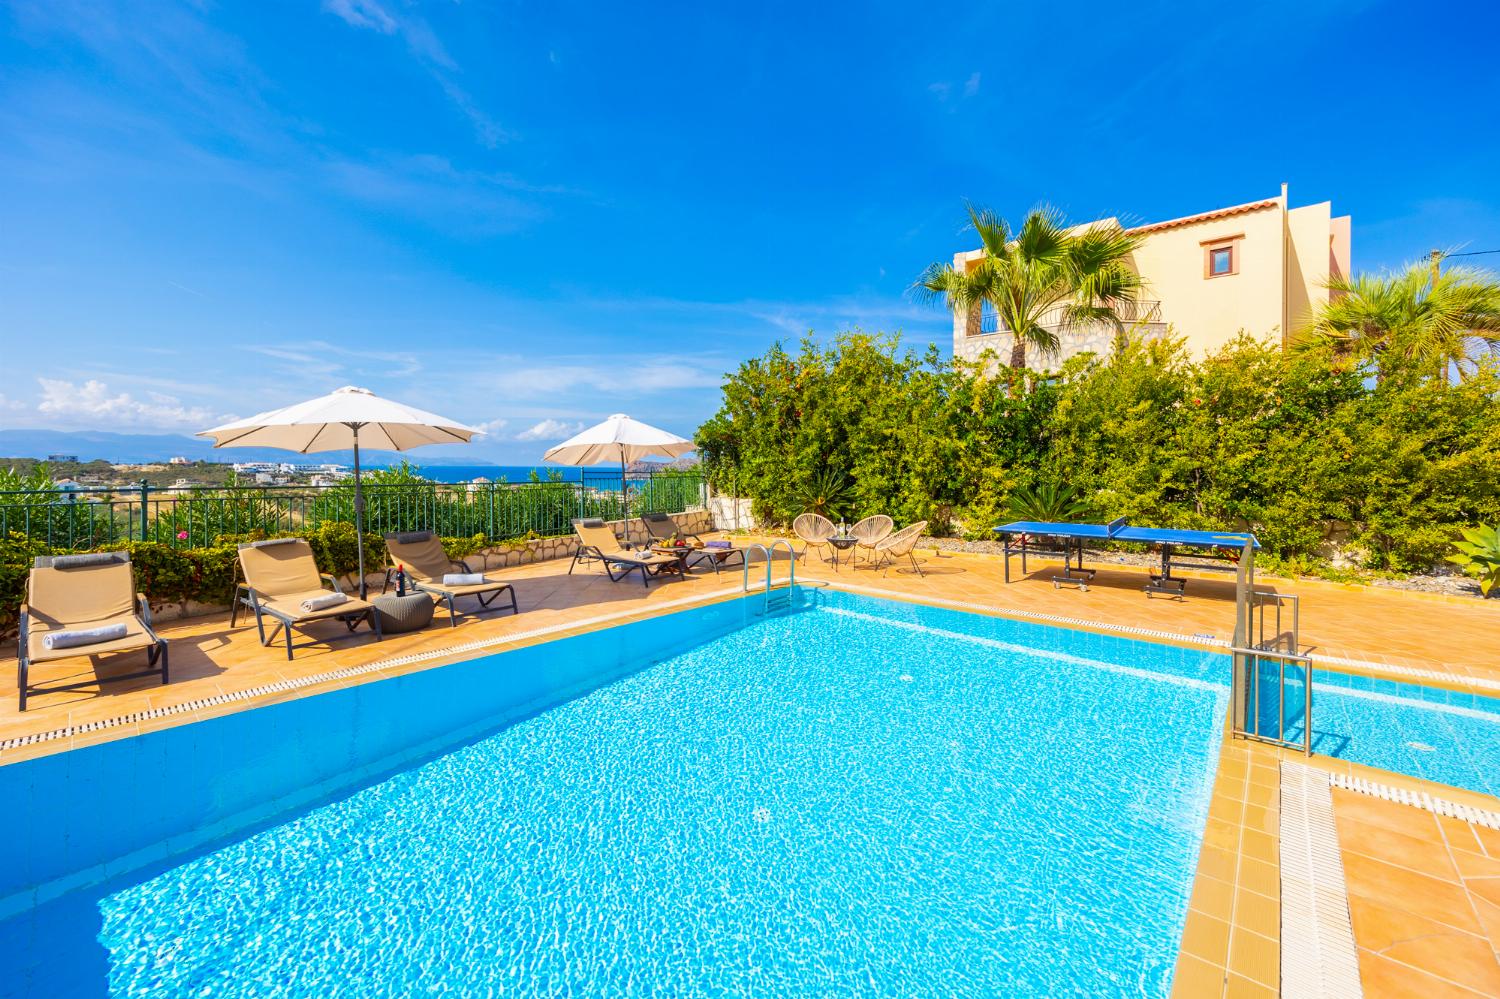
[{"x": 194, "y": 517}]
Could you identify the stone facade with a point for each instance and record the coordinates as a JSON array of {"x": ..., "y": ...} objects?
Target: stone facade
[{"x": 1097, "y": 338}]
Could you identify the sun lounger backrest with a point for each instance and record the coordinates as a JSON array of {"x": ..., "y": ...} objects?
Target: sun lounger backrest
[
  {"x": 280, "y": 569},
  {"x": 79, "y": 593},
  {"x": 660, "y": 526},
  {"x": 421, "y": 553},
  {"x": 594, "y": 534}
]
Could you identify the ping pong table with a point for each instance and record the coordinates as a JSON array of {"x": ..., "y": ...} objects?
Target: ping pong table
[{"x": 1215, "y": 550}]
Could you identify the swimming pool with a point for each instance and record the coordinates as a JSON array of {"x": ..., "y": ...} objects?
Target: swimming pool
[{"x": 862, "y": 797}]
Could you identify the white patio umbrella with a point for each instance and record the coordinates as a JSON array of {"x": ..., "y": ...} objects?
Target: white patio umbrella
[
  {"x": 621, "y": 439},
  {"x": 338, "y": 421}
]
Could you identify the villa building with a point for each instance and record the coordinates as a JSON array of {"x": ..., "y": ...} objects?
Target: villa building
[{"x": 1260, "y": 267}]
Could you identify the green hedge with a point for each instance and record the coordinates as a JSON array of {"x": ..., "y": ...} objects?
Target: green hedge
[
  {"x": 206, "y": 575},
  {"x": 1313, "y": 456}
]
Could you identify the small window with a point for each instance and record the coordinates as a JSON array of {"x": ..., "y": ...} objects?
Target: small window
[{"x": 1221, "y": 257}]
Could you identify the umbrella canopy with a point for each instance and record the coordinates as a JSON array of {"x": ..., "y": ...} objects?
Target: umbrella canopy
[
  {"x": 338, "y": 421},
  {"x": 621, "y": 439}
]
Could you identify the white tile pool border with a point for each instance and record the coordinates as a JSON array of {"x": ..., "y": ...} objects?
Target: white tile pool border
[
  {"x": 351, "y": 672},
  {"x": 1210, "y": 641},
  {"x": 1318, "y": 958},
  {"x": 1417, "y": 799},
  {"x": 345, "y": 673}
]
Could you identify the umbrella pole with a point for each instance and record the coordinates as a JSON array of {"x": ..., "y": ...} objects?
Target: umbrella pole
[
  {"x": 359, "y": 514},
  {"x": 624, "y": 492}
]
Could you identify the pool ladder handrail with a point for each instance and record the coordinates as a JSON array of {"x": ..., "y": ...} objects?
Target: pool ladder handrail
[
  {"x": 1253, "y": 656},
  {"x": 768, "y": 551}
]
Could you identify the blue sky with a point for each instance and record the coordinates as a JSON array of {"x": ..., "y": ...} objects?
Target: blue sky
[{"x": 529, "y": 216}]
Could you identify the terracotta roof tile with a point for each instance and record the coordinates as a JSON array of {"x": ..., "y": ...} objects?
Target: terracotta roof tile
[{"x": 1218, "y": 213}]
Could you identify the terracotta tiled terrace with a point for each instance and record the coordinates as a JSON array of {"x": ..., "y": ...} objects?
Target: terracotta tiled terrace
[{"x": 1423, "y": 890}]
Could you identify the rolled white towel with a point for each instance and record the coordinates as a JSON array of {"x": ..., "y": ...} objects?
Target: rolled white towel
[
  {"x": 464, "y": 578},
  {"x": 84, "y": 636},
  {"x": 324, "y": 602}
]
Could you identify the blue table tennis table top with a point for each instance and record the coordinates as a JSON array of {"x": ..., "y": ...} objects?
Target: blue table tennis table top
[{"x": 1121, "y": 531}]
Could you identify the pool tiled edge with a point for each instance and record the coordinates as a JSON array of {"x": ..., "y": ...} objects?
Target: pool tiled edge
[{"x": 126, "y": 723}]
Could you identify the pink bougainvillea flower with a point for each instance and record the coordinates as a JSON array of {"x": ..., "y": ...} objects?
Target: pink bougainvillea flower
[{"x": 182, "y": 535}]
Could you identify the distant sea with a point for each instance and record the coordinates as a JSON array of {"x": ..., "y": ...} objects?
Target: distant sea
[{"x": 601, "y": 474}]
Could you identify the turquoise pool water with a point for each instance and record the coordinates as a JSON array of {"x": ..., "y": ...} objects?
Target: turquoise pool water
[
  {"x": 859, "y": 799},
  {"x": 863, "y": 797},
  {"x": 1439, "y": 735}
]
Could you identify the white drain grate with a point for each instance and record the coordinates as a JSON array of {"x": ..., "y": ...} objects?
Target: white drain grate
[{"x": 1318, "y": 960}]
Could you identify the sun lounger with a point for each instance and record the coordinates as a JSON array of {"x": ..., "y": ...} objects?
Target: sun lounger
[
  {"x": 84, "y": 605},
  {"x": 429, "y": 569},
  {"x": 814, "y": 530},
  {"x": 596, "y": 542},
  {"x": 902, "y": 543},
  {"x": 661, "y": 527},
  {"x": 282, "y": 582}
]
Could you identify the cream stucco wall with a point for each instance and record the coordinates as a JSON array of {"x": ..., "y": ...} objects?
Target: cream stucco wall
[
  {"x": 1310, "y": 239},
  {"x": 1284, "y": 259},
  {"x": 1211, "y": 311}
]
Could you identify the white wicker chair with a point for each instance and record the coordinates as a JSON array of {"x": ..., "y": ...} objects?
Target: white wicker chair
[
  {"x": 870, "y": 532},
  {"x": 899, "y": 544},
  {"x": 814, "y": 530}
]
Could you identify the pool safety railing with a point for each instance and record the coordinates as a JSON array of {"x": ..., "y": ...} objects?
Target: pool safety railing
[
  {"x": 1292, "y": 725},
  {"x": 197, "y": 516},
  {"x": 769, "y": 553},
  {"x": 1254, "y": 654}
]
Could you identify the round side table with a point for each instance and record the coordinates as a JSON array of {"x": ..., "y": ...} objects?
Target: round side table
[{"x": 409, "y": 613}]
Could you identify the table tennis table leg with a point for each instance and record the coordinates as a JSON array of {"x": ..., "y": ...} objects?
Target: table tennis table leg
[{"x": 1165, "y": 582}]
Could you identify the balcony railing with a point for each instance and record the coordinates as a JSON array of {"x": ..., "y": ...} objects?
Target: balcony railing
[{"x": 1130, "y": 313}]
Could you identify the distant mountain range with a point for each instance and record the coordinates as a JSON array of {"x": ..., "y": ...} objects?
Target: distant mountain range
[{"x": 132, "y": 449}]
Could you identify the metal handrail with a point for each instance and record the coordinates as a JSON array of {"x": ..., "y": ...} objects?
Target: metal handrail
[
  {"x": 194, "y": 516},
  {"x": 1128, "y": 312},
  {"x": 1254, "y": 655},
  {"x": 767, "y": 550},
  {"x": 1259, "y": 602}
]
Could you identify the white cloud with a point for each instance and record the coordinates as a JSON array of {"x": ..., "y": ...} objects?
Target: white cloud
[
  {"x": 944, "y": 89},
  {"x": 92, "y": 403},
  {"x": 363, "y": 14},
  {"x": 427, "y": 49},
  {"x": 550, "y": 430},
  {"x": 491, "y": 427}
]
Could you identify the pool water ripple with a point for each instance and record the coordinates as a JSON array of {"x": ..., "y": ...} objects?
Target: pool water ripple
[{"x": 773, "y": 813}]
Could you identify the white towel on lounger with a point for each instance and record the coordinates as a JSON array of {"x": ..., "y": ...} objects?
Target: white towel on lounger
[
  {"x": 324, "y": 602},
  {"x": 464, "y": 578},
  {"x": 84, "y": 636}
]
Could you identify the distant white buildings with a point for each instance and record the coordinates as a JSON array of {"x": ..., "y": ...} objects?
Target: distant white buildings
[
  {"x": 179, "y": 460},
  {"x": 327, "y": 470}
]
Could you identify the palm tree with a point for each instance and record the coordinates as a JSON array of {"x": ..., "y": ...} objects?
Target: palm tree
[
  {"x": 1042, "y": 278},
  {"x": 1432, "y": 321}
]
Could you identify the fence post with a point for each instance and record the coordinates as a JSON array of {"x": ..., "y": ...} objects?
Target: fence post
[{"x": 145, "y": 498}]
